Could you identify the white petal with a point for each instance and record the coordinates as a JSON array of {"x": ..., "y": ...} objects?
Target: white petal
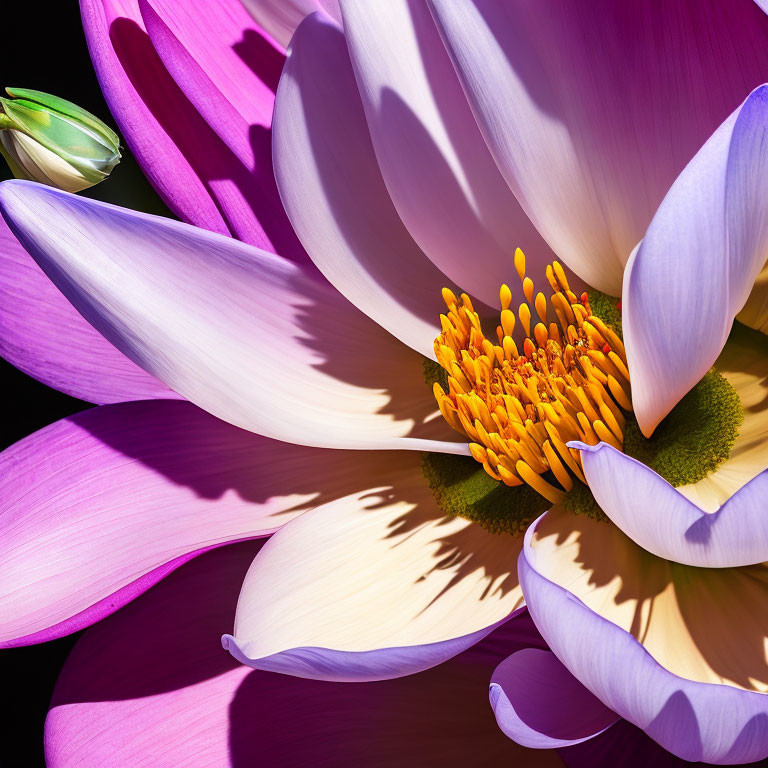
[{"x": 242, "y": 333}]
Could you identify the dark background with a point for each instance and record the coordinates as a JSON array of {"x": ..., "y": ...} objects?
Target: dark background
[{"x": 44, "y": 48}]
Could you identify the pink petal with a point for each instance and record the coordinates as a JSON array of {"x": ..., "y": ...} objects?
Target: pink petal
[
  {"x": 335, "y": 197},
  {"x": 592, "y": 114},
  {"x": 170, "y": 696},
  {"x": 99, "y": 506},
  {"x": 437, "y": 168},
  {"x": 377, "y": 585},
  {"x": 229, "y": 52},
  {"x": 279, "y": 18},
  {"x": 191, "y": 168},
  {"x": 44, "y": 336},
  {"x": 246, "y": 335},
  {"x": 227, "y": 69}
]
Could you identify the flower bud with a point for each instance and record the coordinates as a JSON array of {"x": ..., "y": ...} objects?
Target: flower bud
[{"x": 53, "y": 141}]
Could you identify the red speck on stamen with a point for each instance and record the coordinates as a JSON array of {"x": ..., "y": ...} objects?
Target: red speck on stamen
[
  {"x": 606, "y": 348},
  {"x": 523, "y": 359},
  {"x": 618, "y": 305}
]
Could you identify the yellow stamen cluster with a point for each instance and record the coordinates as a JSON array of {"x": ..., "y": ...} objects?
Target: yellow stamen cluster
[{"x": 519, "y": 407}]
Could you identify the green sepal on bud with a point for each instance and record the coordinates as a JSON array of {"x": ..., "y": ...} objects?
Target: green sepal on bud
[{"x": 53, "y": 141}]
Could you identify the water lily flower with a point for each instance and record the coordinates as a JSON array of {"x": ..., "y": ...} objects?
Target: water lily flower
[
  {"x": 53, "y": 141},
  {"x": 415, "y": 146}
]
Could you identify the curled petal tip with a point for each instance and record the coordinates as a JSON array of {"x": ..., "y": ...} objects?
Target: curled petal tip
[{"x": 579, "y": 446}]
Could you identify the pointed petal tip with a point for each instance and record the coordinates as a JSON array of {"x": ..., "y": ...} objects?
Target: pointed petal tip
[
  {"x": 8, "y": 190},
  {"x": 17, "y": 194},
  {"x": 83, "y": 245},
  {"x": 713, "y": 218}
]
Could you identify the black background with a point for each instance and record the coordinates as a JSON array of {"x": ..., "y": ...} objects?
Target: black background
[{"x": 43, "y": 47}]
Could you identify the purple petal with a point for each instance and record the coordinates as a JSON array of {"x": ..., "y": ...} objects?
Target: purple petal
[
  {"x": 678, "y": 311},
  {"x": 442, "y": 179},
  {"x": 539, "y": 704},
  {"x": 334, "y": 194},
  {"x": 191, "y": 168},
  {"x": 592, "y": 593},
  {"x": 592, "y": 115},
  {"x": 246, "y": 335},
  {"x": 44, "y": 336},
  {"x": 623, "y": 746},
  {"x": 171, "y": 696},
  {"x": 219, "y": 58},
  {"x": 660, "y": 519},
  {"x": 229, "y": 72},
  {"x": 101, "y": 505},
  {"x": 374, "y": 586}
]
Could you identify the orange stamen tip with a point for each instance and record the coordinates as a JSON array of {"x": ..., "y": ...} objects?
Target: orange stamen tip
[
  {"x": 584, "y": 298},
  {"x": 606, "y": 348}
]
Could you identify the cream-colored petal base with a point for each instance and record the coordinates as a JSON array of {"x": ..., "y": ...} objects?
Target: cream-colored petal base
[
  {"x": 379, "y": 569},
  {"x": 703, "y": 624}
]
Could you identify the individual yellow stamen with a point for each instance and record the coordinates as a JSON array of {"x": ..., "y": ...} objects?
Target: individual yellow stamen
[
  {"x": 478, "y": 452},
  {"x": 587, "y": 432},
  {"x": 605, "y": 434},
  {"x": 612, "y": 423},
  {"x": 541, "y": 335},
  {"x": 620, "y": 365},
  {"x": 602, "y": 362},
  {"x": 615, "y": 343},
  {"x": 520, "y": 264},
  {"x": 538, "y": 483},
  {"x": 564, "y": 452},
  {"x": 560, "y": 472},
  {"x": 524, "y": 313},
  {"x": 449, "y": 297},
  {"x": 505, "y": 296},
  {"x": 528, "y": 289},
  {"x": 508, "y": 477},
  {"x": 561, "y": 303},
  {"x": 520, "y": 401},
  {"x": 619, "y": 394},
  {"x": 600, "y": 395},
  {"x": 550, "y": 273},
  {"x": 508, "y": 321},
  {"x": 557, "y": 268}
]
